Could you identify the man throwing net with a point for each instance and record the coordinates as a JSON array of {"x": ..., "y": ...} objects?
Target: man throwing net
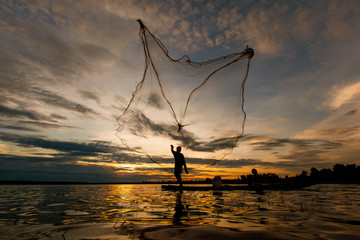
[{"x": 179, "y": 163}]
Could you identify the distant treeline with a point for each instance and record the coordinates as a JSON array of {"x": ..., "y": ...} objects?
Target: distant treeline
[{"x": 340, "y": 173}]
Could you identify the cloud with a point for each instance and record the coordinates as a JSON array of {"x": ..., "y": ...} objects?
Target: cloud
[
  {"x": 336, "y": 132},
  {"x": 338, "y": 16},
  {"x": 95, "y": 151},
  {"x": 45, "y": 125},
  {"x": 17, "y": 113},
  {"x": 17, "y": 127},
  {"x": 344, "y": 95},
  {"x": 139, "y": 124},
  {"x": 304, "y": 156},
  {"x": 290, "y": 165},
  {"x": 57, "y": 116},
  {"x": 61, "y": 169},
  {"x": 53, "y": 54},
  {"x": 96, "y": 53},
  {"x": 351, "y": 112},
  {"x": 243, "y": 163},
  {"x": 298, "y": 152},
  {"x": 331, "y": 145},
  {"x": 59, "y": 45},
  {"x": 52, "y": 98},
  {"x": 90, "y": 95},
  {"x": 33, "y": 110},
  {"x": 35, "y": 126},
  {"x": 270, "y": 144},
  {"x": 155, "y": 100},
  {"x": 91, "y": 148},
  {"x": 281, "y": 119},
  {"x": 340, "y": 120}
]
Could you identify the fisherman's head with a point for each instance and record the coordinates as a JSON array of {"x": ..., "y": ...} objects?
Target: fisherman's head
[
  {"x": 178, "y": 149},
  {"x": 254, "y": 171}
]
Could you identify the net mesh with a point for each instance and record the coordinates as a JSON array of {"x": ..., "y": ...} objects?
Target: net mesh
[{"x": 199, "y": 106}]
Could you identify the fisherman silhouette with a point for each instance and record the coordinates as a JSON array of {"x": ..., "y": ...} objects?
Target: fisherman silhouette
[
  {"x": 256, "y": 182},
  {"x": 179, "y": 163}
]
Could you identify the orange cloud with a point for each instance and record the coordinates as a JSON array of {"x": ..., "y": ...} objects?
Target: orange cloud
[
  {"x": 344, "y": 95},
  {"x": 332, "y": 132},
  {"x": 281, "y": 119}
]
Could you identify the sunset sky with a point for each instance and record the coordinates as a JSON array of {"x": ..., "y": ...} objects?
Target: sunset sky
[{"x": 68, "y": 69}]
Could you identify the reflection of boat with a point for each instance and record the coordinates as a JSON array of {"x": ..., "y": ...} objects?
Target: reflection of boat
[{"x": 273, "y": 186}]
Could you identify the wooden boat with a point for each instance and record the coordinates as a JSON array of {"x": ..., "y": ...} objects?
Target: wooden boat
[{"x": 274, "y": 186}]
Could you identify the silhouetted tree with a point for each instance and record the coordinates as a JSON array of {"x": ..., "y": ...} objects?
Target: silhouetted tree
[
  {"x": 339, "y": 171},
  {"x": 348, "y": 173},
  {"x": 270, "y": 177},
  {"x": 326, "y": 174},
  {"x": 314, "y": 174}
]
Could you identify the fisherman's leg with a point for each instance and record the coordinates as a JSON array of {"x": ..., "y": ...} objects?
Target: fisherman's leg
[{"x": 178, "y": 177}]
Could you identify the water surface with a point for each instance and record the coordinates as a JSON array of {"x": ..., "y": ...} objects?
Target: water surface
[{"x": 318, "y": 212}]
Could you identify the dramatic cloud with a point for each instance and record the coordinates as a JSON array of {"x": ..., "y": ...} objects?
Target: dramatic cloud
[
  {"x": 33, "y": 126},
  {"x": 333, "y": 132},
  {"x": 154, "y": 100},
  {"x": 56, "y": 100},
  {"x": 139, "y": 123},
  {"x": 16, "y": 113},
  {"x": 91, "y": 96},
  {"x": 345, "y": 95},
  {"x": 72, "y": 148},
  {"x": 271, "y": 144},
  {"x": 68, "y": 70}
]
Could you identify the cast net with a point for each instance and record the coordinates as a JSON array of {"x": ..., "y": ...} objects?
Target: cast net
[{"x": 196, "y": 105}]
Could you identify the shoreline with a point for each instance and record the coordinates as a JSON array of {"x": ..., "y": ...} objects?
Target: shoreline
[{"x": 20, "y": 182}]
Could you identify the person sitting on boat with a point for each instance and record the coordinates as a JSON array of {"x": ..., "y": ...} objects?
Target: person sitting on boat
[
  {"x": 179, "y": 163},
  {"x": 256, "y": 181}
]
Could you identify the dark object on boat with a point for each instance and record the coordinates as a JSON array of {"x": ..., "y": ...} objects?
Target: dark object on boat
[{"x": 274, "y": 186}]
